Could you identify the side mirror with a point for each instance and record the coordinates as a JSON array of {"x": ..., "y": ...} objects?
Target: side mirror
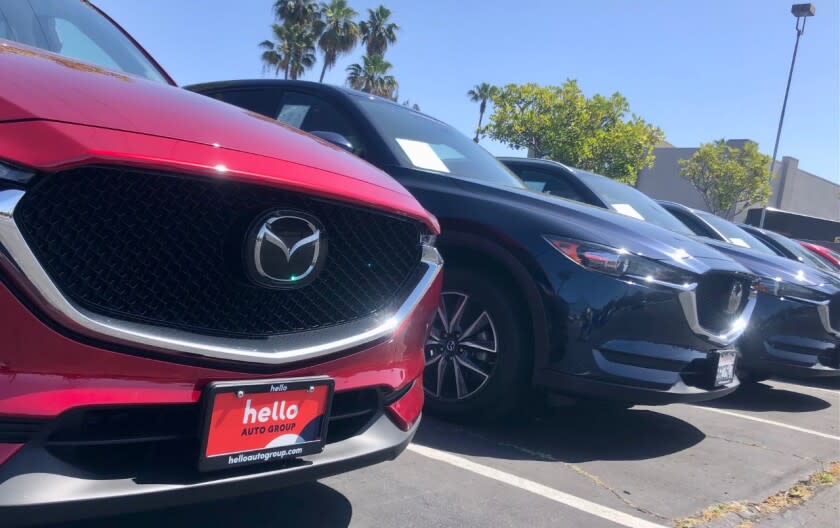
[{"x": 335, "y": 138}]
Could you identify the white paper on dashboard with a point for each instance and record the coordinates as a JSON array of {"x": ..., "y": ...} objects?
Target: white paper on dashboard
[
  {"x": 738, "y": 242},
  {"x": 422, "y": 155},
  {"x": 628, "y": 210},
  {"x": 293, "y": 115}
]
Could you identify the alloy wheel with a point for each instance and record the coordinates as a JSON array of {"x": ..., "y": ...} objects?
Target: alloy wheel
[{"x": 462, "y": 348}]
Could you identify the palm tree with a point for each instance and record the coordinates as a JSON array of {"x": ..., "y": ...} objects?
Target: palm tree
[
  {"x": 293, "y": 50},
  {"x": 340, "y": 33},
  {"x": 480, "y": 94},
  {"x": 377, "y": 31},
  {"x": 296, "y": 12},
  {"x": 372, "y": 76}
]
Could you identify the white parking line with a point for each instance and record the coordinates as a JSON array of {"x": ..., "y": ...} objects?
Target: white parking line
[
  {"x": 768, "y": 422},
  {"x": 535, "y": 488}
]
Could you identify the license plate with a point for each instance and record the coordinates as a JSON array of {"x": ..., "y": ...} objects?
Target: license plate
[
  {"x": 249, "y": 422},
  {"x": 725, "y": 370}
]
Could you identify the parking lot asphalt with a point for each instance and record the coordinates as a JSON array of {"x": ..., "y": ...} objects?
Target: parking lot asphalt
[{"x": 679, "y": 465}]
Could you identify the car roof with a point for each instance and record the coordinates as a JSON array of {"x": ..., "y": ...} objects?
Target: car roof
[
  {"x": 324, "y": 87},
  {"x": 536, "y": 161}
]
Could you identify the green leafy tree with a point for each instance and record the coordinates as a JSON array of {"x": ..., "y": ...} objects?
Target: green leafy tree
[
  {"x": 340, "y": 33},
  {"x": 372, "y": 77},
  {"x": 730, "y": 179},
  {"x": 378, "y": 32},
  {"x": 481, "y": 93},
  {"x": 598, "y": 134}
]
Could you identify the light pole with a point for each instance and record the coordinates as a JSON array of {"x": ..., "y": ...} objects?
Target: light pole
[{"x": 801, "y": 12}]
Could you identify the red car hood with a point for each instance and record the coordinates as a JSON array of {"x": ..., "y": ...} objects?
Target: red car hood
[{"x": 39, "y": 85}]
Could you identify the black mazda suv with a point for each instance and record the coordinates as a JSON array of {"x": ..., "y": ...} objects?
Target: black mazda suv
[
  {"x": 538, "y": 291},
  {"x": 796, "y": 324}
]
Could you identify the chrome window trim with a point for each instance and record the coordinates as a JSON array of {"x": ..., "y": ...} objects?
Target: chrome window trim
[
  {"x": 688, "y": 301},
  {"x": 823, "y": 311},
  {"x": 17, "y": 258}
]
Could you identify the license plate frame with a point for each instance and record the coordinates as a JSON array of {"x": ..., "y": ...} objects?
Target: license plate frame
[
  {"x": 276, "y": 388},
  {"x": 724, "y": 362}
]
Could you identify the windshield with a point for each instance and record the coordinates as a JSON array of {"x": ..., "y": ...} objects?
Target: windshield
[
  {"x": 734, "y": 234},
  {"x": 630, "y": 202},
  {"x": 421, "y": 142},
  {"x": 75, "y": 30},
  {"x": 800, "y": 252}
]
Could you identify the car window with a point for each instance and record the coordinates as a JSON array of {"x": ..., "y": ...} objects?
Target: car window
[
  {"x": 77, "y": 31},
  {"x": 311, "y": 113},
  {"x": 5, "y": 28},
  {"x": 263, "y": 101},
  {"x": 692, "y": 223},
  {"x": 77, "y": 45},
  {"x": 422, "y": 142},
  {"x": 629, "y": 201},
  {"x": 541, "y": 181},
  {"x": 734, "y": 234},
  {"x": 802, "y": 254}
]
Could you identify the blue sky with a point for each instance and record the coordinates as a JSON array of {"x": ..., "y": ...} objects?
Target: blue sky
[{"x": 700, "y": 70}]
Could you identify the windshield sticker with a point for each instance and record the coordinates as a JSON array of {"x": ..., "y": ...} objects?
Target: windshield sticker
[
  {"x": 293, "y": 115},
  {"x": 422, "y": 155},
  {"x": 628, "y": 210}
]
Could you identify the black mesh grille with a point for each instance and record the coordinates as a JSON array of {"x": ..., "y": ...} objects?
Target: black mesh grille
[
  {"x": 167, "y": 250},
  {"x": 834, "y": 312},
  {"x": 713, "y": 295}
]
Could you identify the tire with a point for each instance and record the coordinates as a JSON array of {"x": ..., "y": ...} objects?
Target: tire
[
  {"x": 507, "y": 369},
  {"x": 749, "y": 377}
]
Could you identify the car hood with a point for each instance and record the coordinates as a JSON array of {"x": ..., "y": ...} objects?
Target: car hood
[
  {"x": 576, "y": 220},
  {"x": 39, "y": 85},
  {"x": 775, "y": 267}
]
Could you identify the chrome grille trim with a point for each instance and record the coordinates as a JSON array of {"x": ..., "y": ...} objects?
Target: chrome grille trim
[
  {"x": 18, "y": 260},
  {"x": 823, "y": 311},
  {"x": 688, "y": 301}
]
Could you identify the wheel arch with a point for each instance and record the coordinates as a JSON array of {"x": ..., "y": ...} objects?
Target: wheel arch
[{"x": 466, "y": 249}]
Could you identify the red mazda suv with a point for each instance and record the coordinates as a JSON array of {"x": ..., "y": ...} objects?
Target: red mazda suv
[{"x": 195, "y": 302}]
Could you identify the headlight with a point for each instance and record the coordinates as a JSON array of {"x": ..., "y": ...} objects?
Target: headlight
[
  {"x": 621, "y": 263},
  {"x": 14, "y": 175},
  {"x": 779, "y": 288}
]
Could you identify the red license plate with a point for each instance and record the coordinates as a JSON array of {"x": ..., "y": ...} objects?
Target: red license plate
[{"x": 250, "y": 422}]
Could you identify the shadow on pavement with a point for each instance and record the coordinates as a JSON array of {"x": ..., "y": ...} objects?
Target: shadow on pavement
[
  {"x": 311, "y": 505},
  {"x": 571, "y": 435},
  {"x": 758, "y": 397},
  {"x": 829, "y": 382}
]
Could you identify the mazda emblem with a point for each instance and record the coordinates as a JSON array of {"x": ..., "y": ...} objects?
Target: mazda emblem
[
  {"x": 736, "y": 295},
  {"x": 285, "y": 249}
]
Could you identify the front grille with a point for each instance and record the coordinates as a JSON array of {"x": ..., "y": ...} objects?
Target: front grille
[
  {"x": 834, "y": 312},
  {"x": 127, "y": 441},
  {"x": 713, "y": 300},
  {"x": 167, "y": 250}
]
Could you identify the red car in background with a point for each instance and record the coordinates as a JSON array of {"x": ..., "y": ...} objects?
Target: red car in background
[
  {"x": 824, "y": 253},
  {"x": 194, "y": 302}
]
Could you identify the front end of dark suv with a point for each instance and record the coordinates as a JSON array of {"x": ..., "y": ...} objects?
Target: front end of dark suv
[
  {"x": 794, "y": 337},
  {"x": 641, "y": 331},
  {"x": 795, "y": 328}
]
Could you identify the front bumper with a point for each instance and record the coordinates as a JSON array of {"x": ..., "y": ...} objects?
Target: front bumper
[
  {"x": 631, "y": 342},
  {"x": 788, "y": 338},
  {"x": 38, "y": 487}
]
